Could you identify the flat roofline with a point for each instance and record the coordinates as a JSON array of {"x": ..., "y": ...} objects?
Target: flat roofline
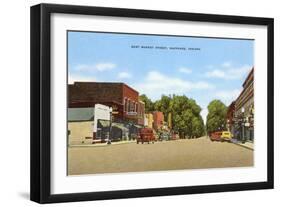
[
  {"x": 248, "y": 76},
  {"x": 244, "y": 83},
  {"x": 130, "y": 87},
  {"x": 93, "y": 102},
  {"x": 89, "y": 82}
]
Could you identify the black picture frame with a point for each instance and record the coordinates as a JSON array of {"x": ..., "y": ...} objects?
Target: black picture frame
[{"x": 40, "y": 184}]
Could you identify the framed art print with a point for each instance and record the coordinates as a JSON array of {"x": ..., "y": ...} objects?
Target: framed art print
[{"x": 132, "y": 103}]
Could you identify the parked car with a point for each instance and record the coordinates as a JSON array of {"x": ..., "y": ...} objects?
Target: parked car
[
  {"x": 174, "y": 136},
  {"x": 216, "y": 136},
  {"x": 146, "y": 135},
  {"x": 226, "y": 136},
  {"x": 165, "y": 136}
]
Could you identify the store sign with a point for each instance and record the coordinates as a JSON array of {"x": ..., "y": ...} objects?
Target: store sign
[{"x": 132, "y": 113}]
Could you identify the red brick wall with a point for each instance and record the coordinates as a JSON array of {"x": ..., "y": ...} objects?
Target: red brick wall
[
  {"x": 158, "y": 119},
  {"x": 141, "y": 113},
  {"x": 132, "y": 97},
  {"x": 96, "y": 92},
  {"x": 87, "y": 94}
]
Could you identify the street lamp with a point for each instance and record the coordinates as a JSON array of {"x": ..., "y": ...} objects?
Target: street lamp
[
  {"x": 110, "y": 125},
  {"x": 251, "y": 122},
  {"x": 243, "y": 138}
]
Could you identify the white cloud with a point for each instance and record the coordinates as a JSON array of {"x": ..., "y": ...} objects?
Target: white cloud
[
  {"x": 216, "y": 74},
  {"x": 239, "y": 72},
  {"x": 185, "y": 70},
  {"x": 155, "y": 84},
  {"x": 229, "y": 73},
  {"x": 226, "y": 64},
  {"x": 105, "y": 66},
  {"x": 227, "y": 96},
  {"x": 124, "y": 75},
  {"x": 79, "y": 78},
  {"x": 100, "y": 67}
]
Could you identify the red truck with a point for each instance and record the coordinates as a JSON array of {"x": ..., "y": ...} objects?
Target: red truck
[
  {"x": 216, "y": 136},
  {"x": 146, "y": 135}
]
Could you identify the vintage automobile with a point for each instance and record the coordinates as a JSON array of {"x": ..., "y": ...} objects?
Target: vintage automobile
[
  {"x": 146, "y": 135},
  {"x": 174, "y": 136},
  {"x": 226, "y": 136},
  {"x": 216, "y": 136},
  {"x": 165, "y": 136}
]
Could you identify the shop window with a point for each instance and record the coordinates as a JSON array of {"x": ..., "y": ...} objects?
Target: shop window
[
  {"x": 128, "y": 105},
  {"x": 133, "y": 106},
  {"x": 125, "y": 104}
]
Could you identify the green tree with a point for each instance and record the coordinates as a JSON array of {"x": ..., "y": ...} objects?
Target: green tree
[
  {"x": 149, "y": 105},
  {"x": 163, "y": 105},
  {"x": 184, "y": 113},
  {"x": 186, "y": 117},
  {"x": 198, "y": 128},
  {"x": 216, "y": 117},
  {"x": 179, "y": 125}
]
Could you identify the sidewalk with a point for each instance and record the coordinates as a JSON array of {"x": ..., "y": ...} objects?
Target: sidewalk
[
  {"x": 248, "y": 145},
  {"x": 102, "y": 144}
]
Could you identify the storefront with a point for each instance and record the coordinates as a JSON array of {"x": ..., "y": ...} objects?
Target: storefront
[{"x": 244, "y": 111}]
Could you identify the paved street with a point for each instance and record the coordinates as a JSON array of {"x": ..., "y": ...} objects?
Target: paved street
[{"x": 166, "y": 155}]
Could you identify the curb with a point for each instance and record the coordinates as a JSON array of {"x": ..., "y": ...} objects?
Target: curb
[
  {"x": 99, "y": 145},
  {"x": 241, "y": 145}
]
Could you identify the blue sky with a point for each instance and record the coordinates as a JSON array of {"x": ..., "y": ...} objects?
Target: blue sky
[{"x": 215, "y": 71}]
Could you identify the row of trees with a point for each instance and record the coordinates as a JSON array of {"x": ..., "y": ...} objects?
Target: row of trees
[
  {"x": 183, "y": 112},
  {"x": 216, "y": 118}
]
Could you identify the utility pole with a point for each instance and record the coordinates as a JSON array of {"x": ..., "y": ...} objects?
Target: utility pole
[
  {"x": 110, "y": 126},
  {"x": 243, "y": 137}
]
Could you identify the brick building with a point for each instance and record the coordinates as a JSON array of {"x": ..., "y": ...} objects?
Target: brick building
[
  {"x": 123, "y": 99},
  {"x": 158, "y": 120},
  {"x": 141, "y": 112},
  {"x": 244, "y": 110}
]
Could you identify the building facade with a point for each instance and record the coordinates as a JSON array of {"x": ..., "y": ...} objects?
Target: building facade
[
  {"x": 149, "y": 120},
  {"x": 244, "y": 110},
  {"x": 158, "y": 120},
  {"x": 90, "y": 125},
  {"x": 80, "y": 125},
  {"x": 141, "y": 113},
  {"x": 102, "y": 121},
  {"x": 123, "y": 99}
]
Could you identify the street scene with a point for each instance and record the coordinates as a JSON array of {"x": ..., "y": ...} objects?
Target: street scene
[
  {"x": 153, "y": 103},
  {"x": 183, "y": 154}
]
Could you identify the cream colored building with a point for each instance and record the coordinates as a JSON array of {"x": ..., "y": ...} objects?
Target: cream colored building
[
  {"x": 148, "y": 120},
  {"x": 80, "y": 125}
]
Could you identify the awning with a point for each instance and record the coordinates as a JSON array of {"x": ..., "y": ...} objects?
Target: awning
[
  {"x": 120, "y": 126},
  {"x": 104, "y": 123},
  {"x": 138, "y": 126}
]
